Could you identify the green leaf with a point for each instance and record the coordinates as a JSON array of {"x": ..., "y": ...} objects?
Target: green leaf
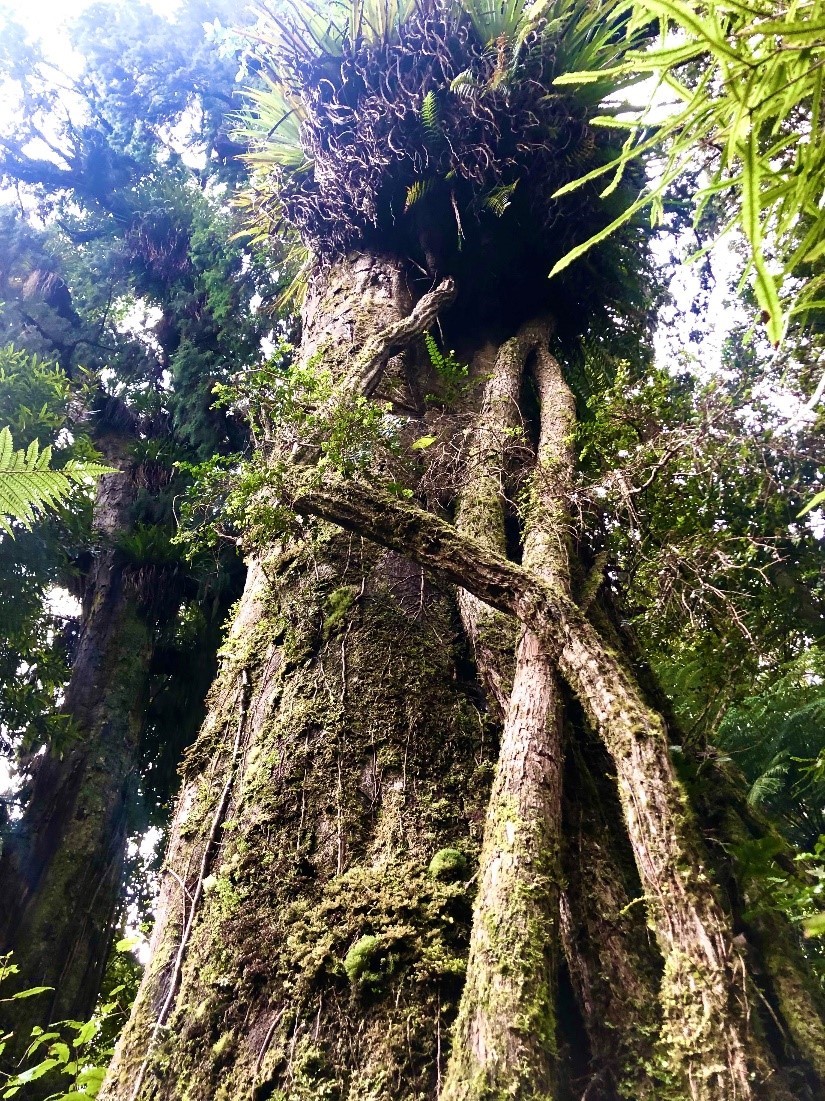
[
  {"x": 815, "y": 502},
  {"x": 87, "y": 1032},
  {"x": 128, "y": 943},
  {"x": 422, "y": 442},
  {"x": 30, "y": 993},
  {"x": 60, "y": 1051}
]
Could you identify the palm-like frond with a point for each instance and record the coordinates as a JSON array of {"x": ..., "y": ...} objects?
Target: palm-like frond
[
  {"x": 28, "y": 487},
  {"x": 274, "y": 130}
]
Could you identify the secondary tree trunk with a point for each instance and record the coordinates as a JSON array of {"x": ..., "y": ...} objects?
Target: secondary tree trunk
[
  {"x": 62, "y": 866},
  {"x": 315, "y": 916}
]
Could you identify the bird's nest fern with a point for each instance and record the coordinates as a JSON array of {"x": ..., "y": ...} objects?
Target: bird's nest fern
[{"x": 379, "y": 118}]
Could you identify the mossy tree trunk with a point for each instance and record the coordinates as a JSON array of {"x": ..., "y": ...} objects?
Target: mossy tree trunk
[
  {"x": 315, "y": 919},
  {"x": 62, "y": 865}
]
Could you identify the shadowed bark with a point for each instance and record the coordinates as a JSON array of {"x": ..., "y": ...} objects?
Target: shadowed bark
[{"x": 62, "y": 866}]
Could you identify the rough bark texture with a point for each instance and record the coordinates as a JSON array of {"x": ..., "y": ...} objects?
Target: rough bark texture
[
  {"x": 705, "y": 997},
  {"x": 505, "y": 1042},
  {"x": 62, "y": 867},
  {"x": 327, "y": 857},
  {"x": 315, "y": 916},
  {"x": 611, "y": 956},
  {"x": 505, "y": 1038}
]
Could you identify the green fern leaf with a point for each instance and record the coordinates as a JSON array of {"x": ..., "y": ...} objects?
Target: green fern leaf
[
  {"x": 416, "y": 191},
  {"x": 28, "y": 487},
  {"x": 430, "y": 114},
  {"x": 499, "y": 198}
]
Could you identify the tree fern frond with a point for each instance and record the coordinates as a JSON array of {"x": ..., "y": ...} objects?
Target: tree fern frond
[{"x": 28, "y": 487}]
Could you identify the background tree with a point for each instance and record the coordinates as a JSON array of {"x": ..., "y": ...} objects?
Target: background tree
[{"x": 126, "y": 228}]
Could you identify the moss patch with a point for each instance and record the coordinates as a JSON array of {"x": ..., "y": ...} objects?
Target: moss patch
[{"x": 448, "y": 864}]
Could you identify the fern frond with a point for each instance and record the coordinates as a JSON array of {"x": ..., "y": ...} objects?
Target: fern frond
[
  {"x": 499, "y": 198},
  {"x": 430, "y": 114},
  {"x": 465, "y": 85},
  {"x": 416, "y": 191},
  {"x": 28, "y": 486},
  {"x": 434, "y": 353}
]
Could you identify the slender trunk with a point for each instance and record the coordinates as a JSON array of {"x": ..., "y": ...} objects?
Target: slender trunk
[
  {"x": 795, "y": 1007},
  {"x": 62, "y": 867},
  {"x": 505, "y": 1036}
]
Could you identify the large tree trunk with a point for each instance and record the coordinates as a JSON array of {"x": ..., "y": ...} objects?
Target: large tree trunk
[
  {"x": 62, "y": 866},
  {"x": 315, "y": 916}
]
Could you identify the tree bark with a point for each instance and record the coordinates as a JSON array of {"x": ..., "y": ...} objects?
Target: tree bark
[
  {"x": 312, "y": 931},
  {"x": 505, "y": 1037},
  {"x": 62, "y": 867},
  {"x": 315, "y": 914}
]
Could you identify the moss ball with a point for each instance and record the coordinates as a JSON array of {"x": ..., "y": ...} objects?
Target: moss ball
[
  {"x": 363, "y": 961},
  {"x": 449, "y": 864}
]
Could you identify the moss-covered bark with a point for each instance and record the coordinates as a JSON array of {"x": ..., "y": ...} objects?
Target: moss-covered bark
[
  {"x": 328, "y": 948},
  {"x": 315, "y": 916},
  {"x": 327, "y": 954},
  {"x": 62, "y": 866},
  {"x": 505, "y": 1040}
]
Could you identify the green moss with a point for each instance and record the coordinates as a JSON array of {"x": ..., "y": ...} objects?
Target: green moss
[
  {"x": 222, "y": 1045},
  {"x": 367, "y": 962},
  {"x": 448, "y": 864},
  {"x": 339, "y": 603},
  {"x": 355, "y": 766}
]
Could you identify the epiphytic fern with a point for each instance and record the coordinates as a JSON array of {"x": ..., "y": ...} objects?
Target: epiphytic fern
[
  {"x": 466, "y": 85},
  {"x": 28, "y": 487},
  {"x": 499, "y": 198},
  {"x": 430, "y": 115},
  {"x": 417, "y": 190}
]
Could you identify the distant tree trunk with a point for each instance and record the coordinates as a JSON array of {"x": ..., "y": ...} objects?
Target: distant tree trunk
[
  {"x": 62, "y": 866},
  {"x": 315, "y": 918}
]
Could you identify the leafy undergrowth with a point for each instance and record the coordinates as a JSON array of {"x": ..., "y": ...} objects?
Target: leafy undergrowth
[{"x": 71, "y": 1057}]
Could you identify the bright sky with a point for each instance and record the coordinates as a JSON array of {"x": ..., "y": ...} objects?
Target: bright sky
[{"x": 45, "y": 16}]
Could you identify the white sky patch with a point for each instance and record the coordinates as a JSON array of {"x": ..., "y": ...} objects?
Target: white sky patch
[
  {"x": 60, "y": 602},
  {"x": 144, "y": 847},
  {"x": 139, "y": 321},
  {"x": 47, "y": 18}
]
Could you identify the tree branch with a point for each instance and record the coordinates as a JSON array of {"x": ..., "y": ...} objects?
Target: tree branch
[{"x": 370, "y": 363}]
